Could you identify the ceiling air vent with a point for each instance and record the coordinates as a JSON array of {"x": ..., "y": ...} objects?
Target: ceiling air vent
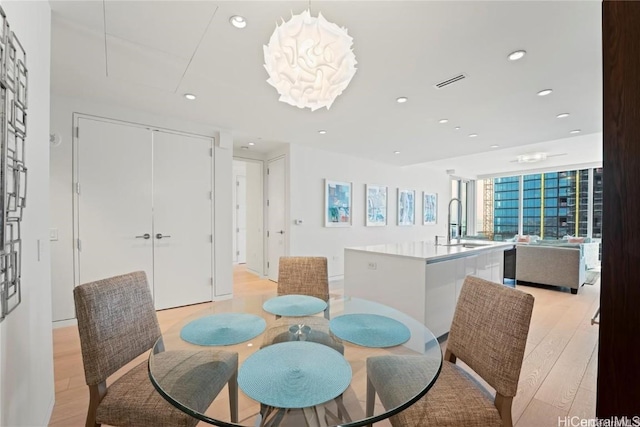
[{"x": 450, "y": 80}]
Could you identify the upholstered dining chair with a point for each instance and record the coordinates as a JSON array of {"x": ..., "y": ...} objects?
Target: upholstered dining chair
[
  {"x": 488, "y": 333},
  {"x": 304, "y": 276},
  {"x": 117, "y": 323}
]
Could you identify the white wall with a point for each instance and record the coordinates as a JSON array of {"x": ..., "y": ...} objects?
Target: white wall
[
  {"x": 62, "y": 269},
  {"x": 26, "y": 352},
  {"x": 308, "y": 169}
]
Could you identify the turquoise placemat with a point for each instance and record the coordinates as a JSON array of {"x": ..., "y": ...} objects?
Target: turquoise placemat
[
  {"x": 223, "y": 329},
  {"x": 370, "y": 330},
  {"x": 294, "y": 305},
  {"x": 294, "y": 374}
]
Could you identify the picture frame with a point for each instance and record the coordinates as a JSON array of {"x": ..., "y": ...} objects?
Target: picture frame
[
  {"x": 429, "y": 208},
  {"x": 406, "y": 207},
  {"x": 337, "y": 203},
  {"x": 376, "y": 205}
]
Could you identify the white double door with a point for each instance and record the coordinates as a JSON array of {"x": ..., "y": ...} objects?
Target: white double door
[{"x": 144, "y": 202}]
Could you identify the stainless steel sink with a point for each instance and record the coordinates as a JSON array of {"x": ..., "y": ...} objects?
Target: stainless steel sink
[
  {"x": 473, "y": 245},
  {"x": 468, "y": 245}
]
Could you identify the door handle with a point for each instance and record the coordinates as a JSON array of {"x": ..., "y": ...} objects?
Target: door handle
[
  {"x": 160, "y": 236},
  {"x": 144, "y": 236},
  {"x": 280, "y": 232}
]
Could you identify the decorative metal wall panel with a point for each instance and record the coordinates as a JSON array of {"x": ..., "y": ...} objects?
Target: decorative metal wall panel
[{"x": 14, "y": 78}]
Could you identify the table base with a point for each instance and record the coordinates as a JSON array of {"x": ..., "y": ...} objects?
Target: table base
[{"x": 315, "y": 416}]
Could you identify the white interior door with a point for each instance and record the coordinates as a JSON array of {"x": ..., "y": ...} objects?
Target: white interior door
[
  {"x": 241, "y": 219},
  {"x": 114, "y": 201},
  {"x": 276, "y": 216},
  {"x": 182, "y": 219}
]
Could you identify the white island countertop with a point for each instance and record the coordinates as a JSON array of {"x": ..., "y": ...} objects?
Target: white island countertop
[{"x": 428, "y": 251}]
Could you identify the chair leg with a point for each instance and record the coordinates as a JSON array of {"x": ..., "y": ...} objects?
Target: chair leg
[
  {"x": 233, "y": 397},
  {"x": 371, "y": 398},
  {"x": 504, "y": 408},
  {"x": 96, "y": 393}
]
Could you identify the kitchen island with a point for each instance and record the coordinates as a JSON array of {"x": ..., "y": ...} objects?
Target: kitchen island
[{"x": 420, "y": 278}]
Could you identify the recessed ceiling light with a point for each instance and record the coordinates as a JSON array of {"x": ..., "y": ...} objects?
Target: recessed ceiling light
[
  {"x": 545, "y": 92},
  {"x": 238, "y": 21},
  {"x": 562, "y": 115},
  {"x": 402, "y": 100},
  {"x": 575, "y": 131},
  {"x": 396, "y": 152},
  {"x": 457, "y": 128},
  {"x": 190, "y": 96},
  {"x": 495, "y": 146},
  {"x": 322, "y": 132},
  {"x": 473, "y": 135},
  {"x": 244, "y": 147},
  {"x": 444, "y": 121},
  {"x": 518, "y": 54},
  {"x": 252, "y": 143}
]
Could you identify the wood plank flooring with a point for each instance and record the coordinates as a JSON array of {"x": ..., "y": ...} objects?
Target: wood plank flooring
[{"x": 558, "y": 376}]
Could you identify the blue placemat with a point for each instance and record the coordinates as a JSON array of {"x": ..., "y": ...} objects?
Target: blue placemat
[
  {"x": 223, "y": 329},
  {"x": 294, "y": 374},
  {"x": 294, "y": 305},
  {"x": 370, "y": 330}
]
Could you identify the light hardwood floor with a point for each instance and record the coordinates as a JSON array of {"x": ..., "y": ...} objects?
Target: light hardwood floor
[{"x": 558, "y": 377}]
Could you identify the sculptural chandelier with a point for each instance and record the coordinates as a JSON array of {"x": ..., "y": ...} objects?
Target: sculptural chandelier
[{"x": 309, "y": 60}]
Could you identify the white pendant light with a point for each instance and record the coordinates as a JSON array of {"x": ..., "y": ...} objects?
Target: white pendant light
[{"x": 309, "y": 60}]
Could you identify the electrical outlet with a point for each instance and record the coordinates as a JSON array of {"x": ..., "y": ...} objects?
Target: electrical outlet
[{"x": 372, "y": 266}]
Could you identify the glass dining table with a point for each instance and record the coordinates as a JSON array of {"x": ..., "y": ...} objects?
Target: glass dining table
[{"x": 296, "y": 370}]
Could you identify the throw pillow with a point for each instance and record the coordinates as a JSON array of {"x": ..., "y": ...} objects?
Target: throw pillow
[{"x": 576, "y": 239}]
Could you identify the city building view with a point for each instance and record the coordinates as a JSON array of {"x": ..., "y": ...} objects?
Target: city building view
[{"x": 548, "y": 205}]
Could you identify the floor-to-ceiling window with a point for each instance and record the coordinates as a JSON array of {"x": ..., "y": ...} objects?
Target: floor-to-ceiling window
[
  {"x": 506, "y": 205},
  {"x": 532, "y": 205},
  {"x": 597, "y": 203},
  {"x": 549, "y": 205},
  {"x": 596, "y": 228}
]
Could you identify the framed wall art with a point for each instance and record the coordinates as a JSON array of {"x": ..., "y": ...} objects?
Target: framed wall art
[
  {"x": 406, "y": 207},
  {"x": 429, "y": 208},
  {"x": 14, "y": 90},
  {"x": 376, "y": 205},
  {"x": 337, "y": 204}
]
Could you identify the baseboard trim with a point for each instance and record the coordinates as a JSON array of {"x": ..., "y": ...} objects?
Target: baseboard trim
[{"x": 64, "y": 323}]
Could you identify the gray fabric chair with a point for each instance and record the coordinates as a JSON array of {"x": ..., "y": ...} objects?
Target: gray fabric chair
[
  {"x": 304, "y": 276},
  {"x": 117, "y": 323},
  {"x": 489, "y": 334}
]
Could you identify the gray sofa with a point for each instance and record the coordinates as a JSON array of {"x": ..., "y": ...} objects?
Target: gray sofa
[{"x": 551, "y": 265}]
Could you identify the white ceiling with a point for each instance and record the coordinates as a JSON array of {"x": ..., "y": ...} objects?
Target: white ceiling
[{"x": 146, "y": 55}]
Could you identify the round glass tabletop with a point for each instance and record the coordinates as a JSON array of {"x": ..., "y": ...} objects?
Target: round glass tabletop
[{"x": 192, "y": 374}]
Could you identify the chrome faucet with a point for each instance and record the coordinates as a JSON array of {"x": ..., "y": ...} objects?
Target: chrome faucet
[{"x": 449, "y": 220}]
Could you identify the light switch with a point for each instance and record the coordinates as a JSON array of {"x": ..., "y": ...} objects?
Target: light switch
[{"x": 53, "y": 234}]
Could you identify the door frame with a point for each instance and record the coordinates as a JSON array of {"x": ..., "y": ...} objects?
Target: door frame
[
  {"x": 75, "y": 171},
  {"x": 235, "y": 206},
  {"x": 287, "y": 228},
  {"x": 263, "y": 166}
]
